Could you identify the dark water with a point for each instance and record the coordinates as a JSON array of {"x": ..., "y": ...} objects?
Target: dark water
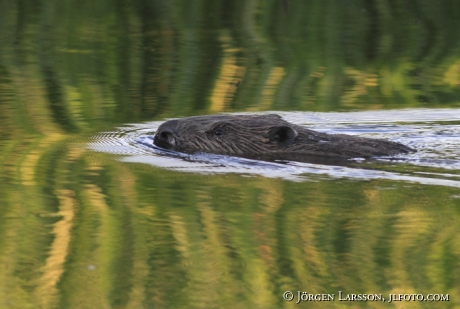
[{"x": 93, "y": 216}]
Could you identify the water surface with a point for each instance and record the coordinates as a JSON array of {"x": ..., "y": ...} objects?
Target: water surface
[
  {"x": 435, "y": 134},
  {"x": 93, "y": 216}
]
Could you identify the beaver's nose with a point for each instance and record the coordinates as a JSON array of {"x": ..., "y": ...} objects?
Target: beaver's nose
[{"x": 165, "y": 135}]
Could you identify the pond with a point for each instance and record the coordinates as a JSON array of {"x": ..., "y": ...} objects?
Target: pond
[{"x": 93, "y": 215}]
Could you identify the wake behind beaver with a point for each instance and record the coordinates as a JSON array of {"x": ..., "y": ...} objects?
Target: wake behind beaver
[{"x": 268, "y": 137}]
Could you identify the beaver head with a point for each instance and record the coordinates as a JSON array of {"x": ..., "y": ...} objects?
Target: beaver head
[{"x": 264, "y": 136}]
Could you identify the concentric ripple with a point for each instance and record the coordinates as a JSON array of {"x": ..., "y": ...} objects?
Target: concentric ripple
[{"x": 435, "y": 133}]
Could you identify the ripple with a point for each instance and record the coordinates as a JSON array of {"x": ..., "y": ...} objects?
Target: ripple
[{"x": 435, "y": 133}]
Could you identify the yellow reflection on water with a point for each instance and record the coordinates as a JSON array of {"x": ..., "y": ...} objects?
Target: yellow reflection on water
[
  {"x": 46, "y": 292},
  {"x": 230, "y": 74},
  {"x": 268, "y": 94},
  {"x": 452, "y": 74},
  {"x": 33, "y": 155}
]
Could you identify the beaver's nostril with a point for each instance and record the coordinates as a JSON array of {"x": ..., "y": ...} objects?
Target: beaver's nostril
[
  {"x": 164, "y": 138},
  {"x": 165, "y": 135}
]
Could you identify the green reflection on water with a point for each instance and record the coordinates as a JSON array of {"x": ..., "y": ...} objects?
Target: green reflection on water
[
  {"x": 92, "y": 232},
  {"x": 88, "y": 64},
  {"x": 82, "y": 230}
]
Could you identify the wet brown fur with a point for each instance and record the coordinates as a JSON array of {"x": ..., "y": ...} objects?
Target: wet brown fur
[{"x": 265, "y": 136}]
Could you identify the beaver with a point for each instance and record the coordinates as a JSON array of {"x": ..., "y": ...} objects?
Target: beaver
[{"x": 267, "y": 137}]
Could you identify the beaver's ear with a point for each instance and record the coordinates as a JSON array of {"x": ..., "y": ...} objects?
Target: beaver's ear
[{"x": 283, "y": 135}]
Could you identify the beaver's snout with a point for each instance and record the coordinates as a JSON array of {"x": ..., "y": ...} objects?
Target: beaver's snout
[{"x": 165, "y": 135}]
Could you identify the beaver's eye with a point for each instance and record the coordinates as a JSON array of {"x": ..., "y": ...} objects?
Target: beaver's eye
[{"x": 219, "y": 132}]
